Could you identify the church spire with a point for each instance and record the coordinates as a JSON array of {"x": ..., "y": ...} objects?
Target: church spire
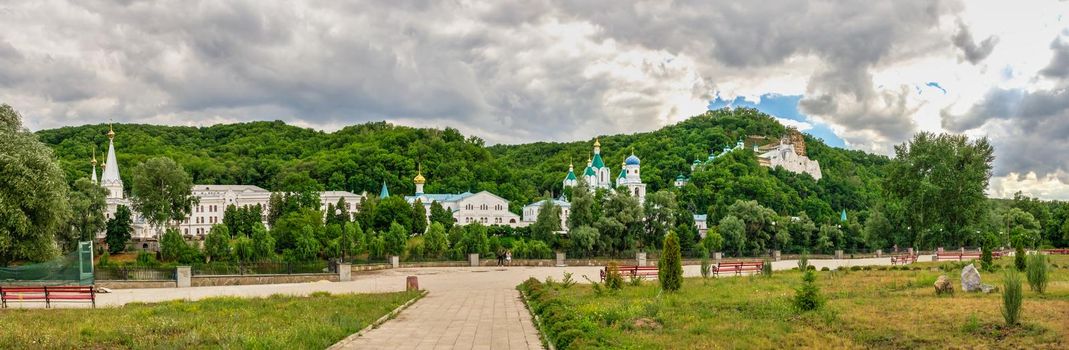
[
  {"x": 94, "y": 167},
  {"x": 384, "y": 193},
  {"x": 419, "y": 180},
  {"x": 110, "y": 178}
]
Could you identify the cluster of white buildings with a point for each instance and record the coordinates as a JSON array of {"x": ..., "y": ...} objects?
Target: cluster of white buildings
[
  {"x": 788, "y": 152},
  {"x": 482, "y": 207},
  {"x": 212, "y": 201}
]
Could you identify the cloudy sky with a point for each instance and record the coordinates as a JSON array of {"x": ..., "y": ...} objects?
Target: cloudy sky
[{"x": 862, "y": 75}]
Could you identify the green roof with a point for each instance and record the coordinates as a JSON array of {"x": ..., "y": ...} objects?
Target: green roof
[
  {"x": 621, "y": 175},
  {"x": 385, "y": 192},
  {"x": 597, "y": 162},
  {"x": 571, "y": 175},
  {"x": 589, "y": 171}
]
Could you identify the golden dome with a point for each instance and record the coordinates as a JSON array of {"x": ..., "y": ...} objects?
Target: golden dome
[
  {"x": 597, "y": 142},
  {"x": 111, "y": 132},
  {"x": 419, "y": 180}
]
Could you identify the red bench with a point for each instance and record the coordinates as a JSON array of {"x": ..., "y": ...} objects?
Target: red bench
[
  {"x": 738, "y": 267},
  {"x": 632, "y": 271},
  {"x": 1057, "y": 251},
  {"x": 903, "y": 259},
  {"x": 959, "y": 256},
  {"x": 48, "y": 294}
]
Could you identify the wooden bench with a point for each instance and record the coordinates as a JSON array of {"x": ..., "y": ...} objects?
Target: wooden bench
[
  {"x": 959, "y": 256},
  {"x": 738, "y": 267},
  {"x": 1057, "y": 251},
  {"x": 632, "y": 271},
  {"x": 903, "y": 259},
  {"x": 48, "y": 294}
]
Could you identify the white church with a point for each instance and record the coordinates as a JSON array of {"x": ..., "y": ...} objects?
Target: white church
[{"x": 596, "y": 175}]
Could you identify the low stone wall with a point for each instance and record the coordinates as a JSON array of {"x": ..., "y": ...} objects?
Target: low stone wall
[
  {"x": 239, "y": 280},
  {"x": 109, "y": 284}
]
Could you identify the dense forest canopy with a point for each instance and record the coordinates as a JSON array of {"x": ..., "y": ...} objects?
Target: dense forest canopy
[{"x": 359, "y": 158}]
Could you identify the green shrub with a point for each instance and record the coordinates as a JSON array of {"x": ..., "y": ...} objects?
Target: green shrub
[
  {"x": 1011, "y": 297},
  {"x": 1019, "y": 259},
  {"x": 987, "y": 261},
  {"x": 706, "y": 266},
  {"x": 634, "y": 280},
  {"x": 803, "y": 261},
  {"x": 105, "y": 260},
  {"x": 855, "y": 268},
  {"x": 613, "y": 280},
  {"x": 766, "y": 268},
  {"x": 567, "y": 282},
  {"x": 825, "y": 269},
  {"x": 807, "y": 297},
  {"x": 670, "y": 267},
  {"x": 1038, "y": 275}
]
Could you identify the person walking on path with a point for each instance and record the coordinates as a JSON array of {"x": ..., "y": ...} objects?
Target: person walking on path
[{"x": 508, "y": 257}]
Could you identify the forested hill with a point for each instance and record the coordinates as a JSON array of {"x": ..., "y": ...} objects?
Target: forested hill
[{"x": 358, "y": 158}]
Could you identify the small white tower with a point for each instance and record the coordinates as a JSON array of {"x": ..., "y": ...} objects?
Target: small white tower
[
  {"x": 419, "y": 181},
  {"x": 570, "y": 179},
  {"x": 633, "y": 178}
]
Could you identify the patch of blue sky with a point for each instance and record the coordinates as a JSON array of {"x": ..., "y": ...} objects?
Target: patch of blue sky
[
  {"x": 936, "y": 85},
  {"x": 784, "y": 107}
]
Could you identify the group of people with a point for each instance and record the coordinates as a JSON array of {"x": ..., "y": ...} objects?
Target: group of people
[{"x": 504, "y": 257}]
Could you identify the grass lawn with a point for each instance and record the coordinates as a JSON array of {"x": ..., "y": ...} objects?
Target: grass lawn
[
  {"x": 865, "y": 309},
  {"x": 276, "y": 322}
]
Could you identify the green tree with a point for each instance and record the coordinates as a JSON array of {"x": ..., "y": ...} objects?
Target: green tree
[
  {"x": 263, "y": 244},
  {"x": 1023, "y": 228},
  {"x": 582, "y": 210},
  {"x": 243, "y": 249},
  {"x": 583, "y": 240},
  {"x": 758, "y": 223},
  {"x": 436, "y": 241},
  {"x": 232, "y": 219},
  {"x": 878, "y": 230},
  {"x": 419, "y": 217},
  {"x": 547, "y": 224},
  {"x": 734, "y": 233},
  {"x": 940, "y": 181},
  {"x": 390, "y": 210},
  {"x": 119, "y": 229},
  {"x": 660, "y": 209},
  {"x": 475, "y": 240},
  {"x": 33, "y": 194},
  {"x": 442, "y": 216},
  {"x": 87, "y": 209},
  {"x": 396, "y": 239},
  {"x": 621, "y": 225},
  {"x": 217, "y": 243},
  {"x": 712, "y": 242},
  {"x": 670, "y": 266},
  {"x": 162, "y": 191},
  {"x": 306, "y": 247},
  {"x": 827, "y": 238},
  {"x": 174, "y": 248},
  {"x": 290, "y": 226},
  {"x": 807, "y": 297}
]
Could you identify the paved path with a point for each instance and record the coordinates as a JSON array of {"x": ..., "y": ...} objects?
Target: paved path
[{"x": 467, "y": 308}]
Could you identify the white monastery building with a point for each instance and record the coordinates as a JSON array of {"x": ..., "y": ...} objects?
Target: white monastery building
[{"x": 482, "y": 207}]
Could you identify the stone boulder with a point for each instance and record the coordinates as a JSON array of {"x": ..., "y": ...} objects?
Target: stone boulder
[
  {"x": 970, "y": 279},
  {"x": 943, "y": 286}
]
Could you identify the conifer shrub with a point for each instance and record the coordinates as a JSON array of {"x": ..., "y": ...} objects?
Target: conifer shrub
[
  {"x": 1019, "y": 259},
  {"x": 807, "y": 297},
  {"x": 1038, "y": 275},
  {"x": 670, "y": 266},
  {"x": 1012, "y": 296},
  {"x": 766, "y": 268},
  {"x": 987, "y": 261}
]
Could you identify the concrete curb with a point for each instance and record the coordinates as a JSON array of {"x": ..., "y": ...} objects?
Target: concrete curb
[
  {"x": 546, "y": 342},
  {"x": 348, "y": 340}
]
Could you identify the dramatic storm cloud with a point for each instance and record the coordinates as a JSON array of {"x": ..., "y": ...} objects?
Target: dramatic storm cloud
[{"x": 873, "y": 73}]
